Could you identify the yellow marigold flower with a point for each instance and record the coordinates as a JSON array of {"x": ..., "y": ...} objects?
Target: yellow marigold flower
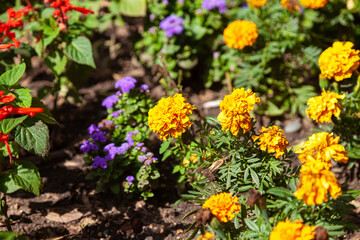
[
  {"x": 169, "y": 117},
  {"x": 291, "y": 5},
  {"x": 273, "y": 139},
  {"x": 316, "y": 181},
  {"x": 321, "y": 108},
  {"x": 322, "y": 147},
  {"x": 235, "y": 110},
  {"x": 314, "y": 4},
  {"x": 206, "y": 236},
  {"x": 223, "y": 206},
  {"x": 257, "y": 3},
  {"x": 339, "y": 61},
  {"x": 240, "y": 33},
  {"x": 292, "y": 231}
]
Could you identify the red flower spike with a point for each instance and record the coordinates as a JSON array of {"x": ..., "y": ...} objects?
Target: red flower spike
[
  {"x": 7, "y": 98},
  {"x": 14, "y": 20},
  {"x": 4, "y": 138},
  {"x": 7, "y": 110}
]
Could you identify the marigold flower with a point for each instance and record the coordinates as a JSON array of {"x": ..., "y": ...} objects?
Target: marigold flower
[
  {"x": 292, "y": 231},
  {"x": 206, "y": 236},
  {"x": 314, "y": 4},
  {"x": 315, "y": 183},
  {"x": 240, "y": 33},
  {"x": 322, "y": 108},
  {"x": 235, "y": 110},
  {"x": 257, "y": 3},
  {"x": 169, "y": 117},
  {"x": 322, "y": 147},
  {"x": 223, "y": 206},
  {"x": 291, "y": 5},
  {"x": 273, "y": 139},
  {"x": 339, "y": 61}
]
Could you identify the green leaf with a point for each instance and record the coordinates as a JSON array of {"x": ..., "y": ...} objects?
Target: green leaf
[
  {"x": 46, "y": 115},
  {"x": 11, "y": 236},
  {"x": 80, "y": 51},
  {"x": 8, "y": 185},
  {"x": 50, "y": 35},
  {"x": 8, "y": 124},
  {"x": 255, "y": 177},
  {"x": 133, "y": 8},
  {"x": 251, "y": 225},
  {"x": 165, "y": 145},
  {"x": 12, "y": 76},
  {"x": 56, "y": 62},
  {"x": 23, "y": 97},
  {"x": 280, "y": 192},
  {"x": 33, "y": 136},
  {"x": 354, "y": 153},
  {"x": 27, "y": 176}
]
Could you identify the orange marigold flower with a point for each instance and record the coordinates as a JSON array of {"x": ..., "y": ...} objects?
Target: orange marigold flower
[
  {"x": 339, "y": 61},
  {"x": 314, "y": 4},
  {"x": 235, "y": 110},
  {"x": 206, "y": 236},
  {"x": 316, "y": 181},
  {"x": 322, "y": 108},
  {"x": 322, "y": 147},
  {"x": 291, "y": 5},
  {"x": 257, "y": 3},
  {"x": 169, "y": 117},
  {"x": 292, "y": 231},
  {"x": 240, "y": 33},
  {"x": 223, "y": 206},
  {"x": 273, "y": 139}
]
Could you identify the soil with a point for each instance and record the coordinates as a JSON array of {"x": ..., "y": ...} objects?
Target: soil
[{"x": 69, "y": 207}]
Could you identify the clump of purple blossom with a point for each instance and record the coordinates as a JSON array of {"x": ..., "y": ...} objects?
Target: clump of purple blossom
[
  {"x": 172, "y": 25},
  {"x": 211, "y": 4},
  {"x": 125, "y": 84},
  {"x": 130, "y": 179},
  {"x": 87, "y": 146},
  {"x": 99, "y": 162},
  {"x": 109, "y": 101},
  {"x": 98, "y": 136}
]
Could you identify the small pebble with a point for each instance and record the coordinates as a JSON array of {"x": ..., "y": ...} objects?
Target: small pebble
[{"x": 293, "y": 126}]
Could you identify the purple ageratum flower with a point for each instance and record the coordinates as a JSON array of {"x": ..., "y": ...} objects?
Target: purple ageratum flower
[
  {"x": 99, "y": 162},
  {"x": 108, "y": 147},
  {"x": 152, "y": 30},
  {"x": 216, "y": 55},
  {"x": 125, "y": 84},
  {"x": 211, "y": 4},
  {"x": 87, "y": 146},
  {"x": 108, "y": 121},
  {"x": 123, "y": 148},
  {"x": 130, "y": 179},
  {"x": 129, "y": 136},
  {"x": 181, "y": 2},
  {"x": 98, "y": 136},
  {"x": 112, "y": 153},
  {"x": 93, "y": 128},
  {"x": 143, "y": 149},
  {"x": 165, "y": 2},
  {"x": 144, "y": 87},
  {"x": 172, "y": 25},
  {"x": 151, "y": 17},
  {"x": 116, "y": 113},
  {"x": 142, "y": 158},
  {"x": 140, "y": 144},
  {"x": 109, "y": 101}
]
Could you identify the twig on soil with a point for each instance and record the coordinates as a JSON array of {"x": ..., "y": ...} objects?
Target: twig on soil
[
  {"x": 228, "y": 82},
  {"x": 4, "y": 208}
]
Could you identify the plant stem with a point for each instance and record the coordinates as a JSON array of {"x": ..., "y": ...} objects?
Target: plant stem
[{"x": 4, "y": 208}]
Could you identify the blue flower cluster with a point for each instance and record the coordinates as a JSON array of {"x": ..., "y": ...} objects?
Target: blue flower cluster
[
  {"x": 172, "y": 25},
  {"x": 211, "y": 4}
]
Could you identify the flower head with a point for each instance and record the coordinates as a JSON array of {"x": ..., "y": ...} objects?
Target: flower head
[
  {"x": 98, "y": 136},
  {"x": 172, "y": 25},
  {"x": 235, "y": 110},
  {"x": 273, "y": 139},
  {"x": 144, "y": 87},
  {"x": 339, "y": 61},
  {"x": 240, "y": 33},
  {"x": 125, "y": 84},
  {"x": 211, "y": 4},
  {"x": 257, "y": 3},
  {"x": 99, "y": 162},
  {"x": 322, "y": 147},
  {"x": 206, "y": 236},
  {"x": 109, "y": 101},
  {"x": 291, "y": 5},
  {"x": 87, "y": 146},
  {"x": 316, "y": 181},
  {"x": 223, "y": 206},
  {"x": 130, "y": 179},
  {"x": 314, "y": 4},
  {"x": 322, "y": 108},
  {"x": 292, "y": 231},
  {"x": 169, "y": 117}
]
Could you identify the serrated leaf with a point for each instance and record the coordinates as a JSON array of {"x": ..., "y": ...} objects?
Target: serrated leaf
[
  {"x": 8, "y": 185},
  {"x": 12, "y": 76},
  {"x": 255, "y": 177},
  {"x": 80, "y": 51},
  {"x": 23, "y": 97},
  {"x": 33, "y": 136},
  {"x": 165, "y": 145},
  {"x": 251, "y": 225},
  {"x": 26, "y": 175},
  {"x": 8, "y": 124},
  {"x": 280, "y": 192}
]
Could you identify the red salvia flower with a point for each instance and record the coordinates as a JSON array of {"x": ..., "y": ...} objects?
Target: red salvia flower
[
  {"x": 14, "y": 21},
  {"x": 7, "y": 98},
  {"x": 4, "y": 138},
  {"x": 29, "y": 8}
]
